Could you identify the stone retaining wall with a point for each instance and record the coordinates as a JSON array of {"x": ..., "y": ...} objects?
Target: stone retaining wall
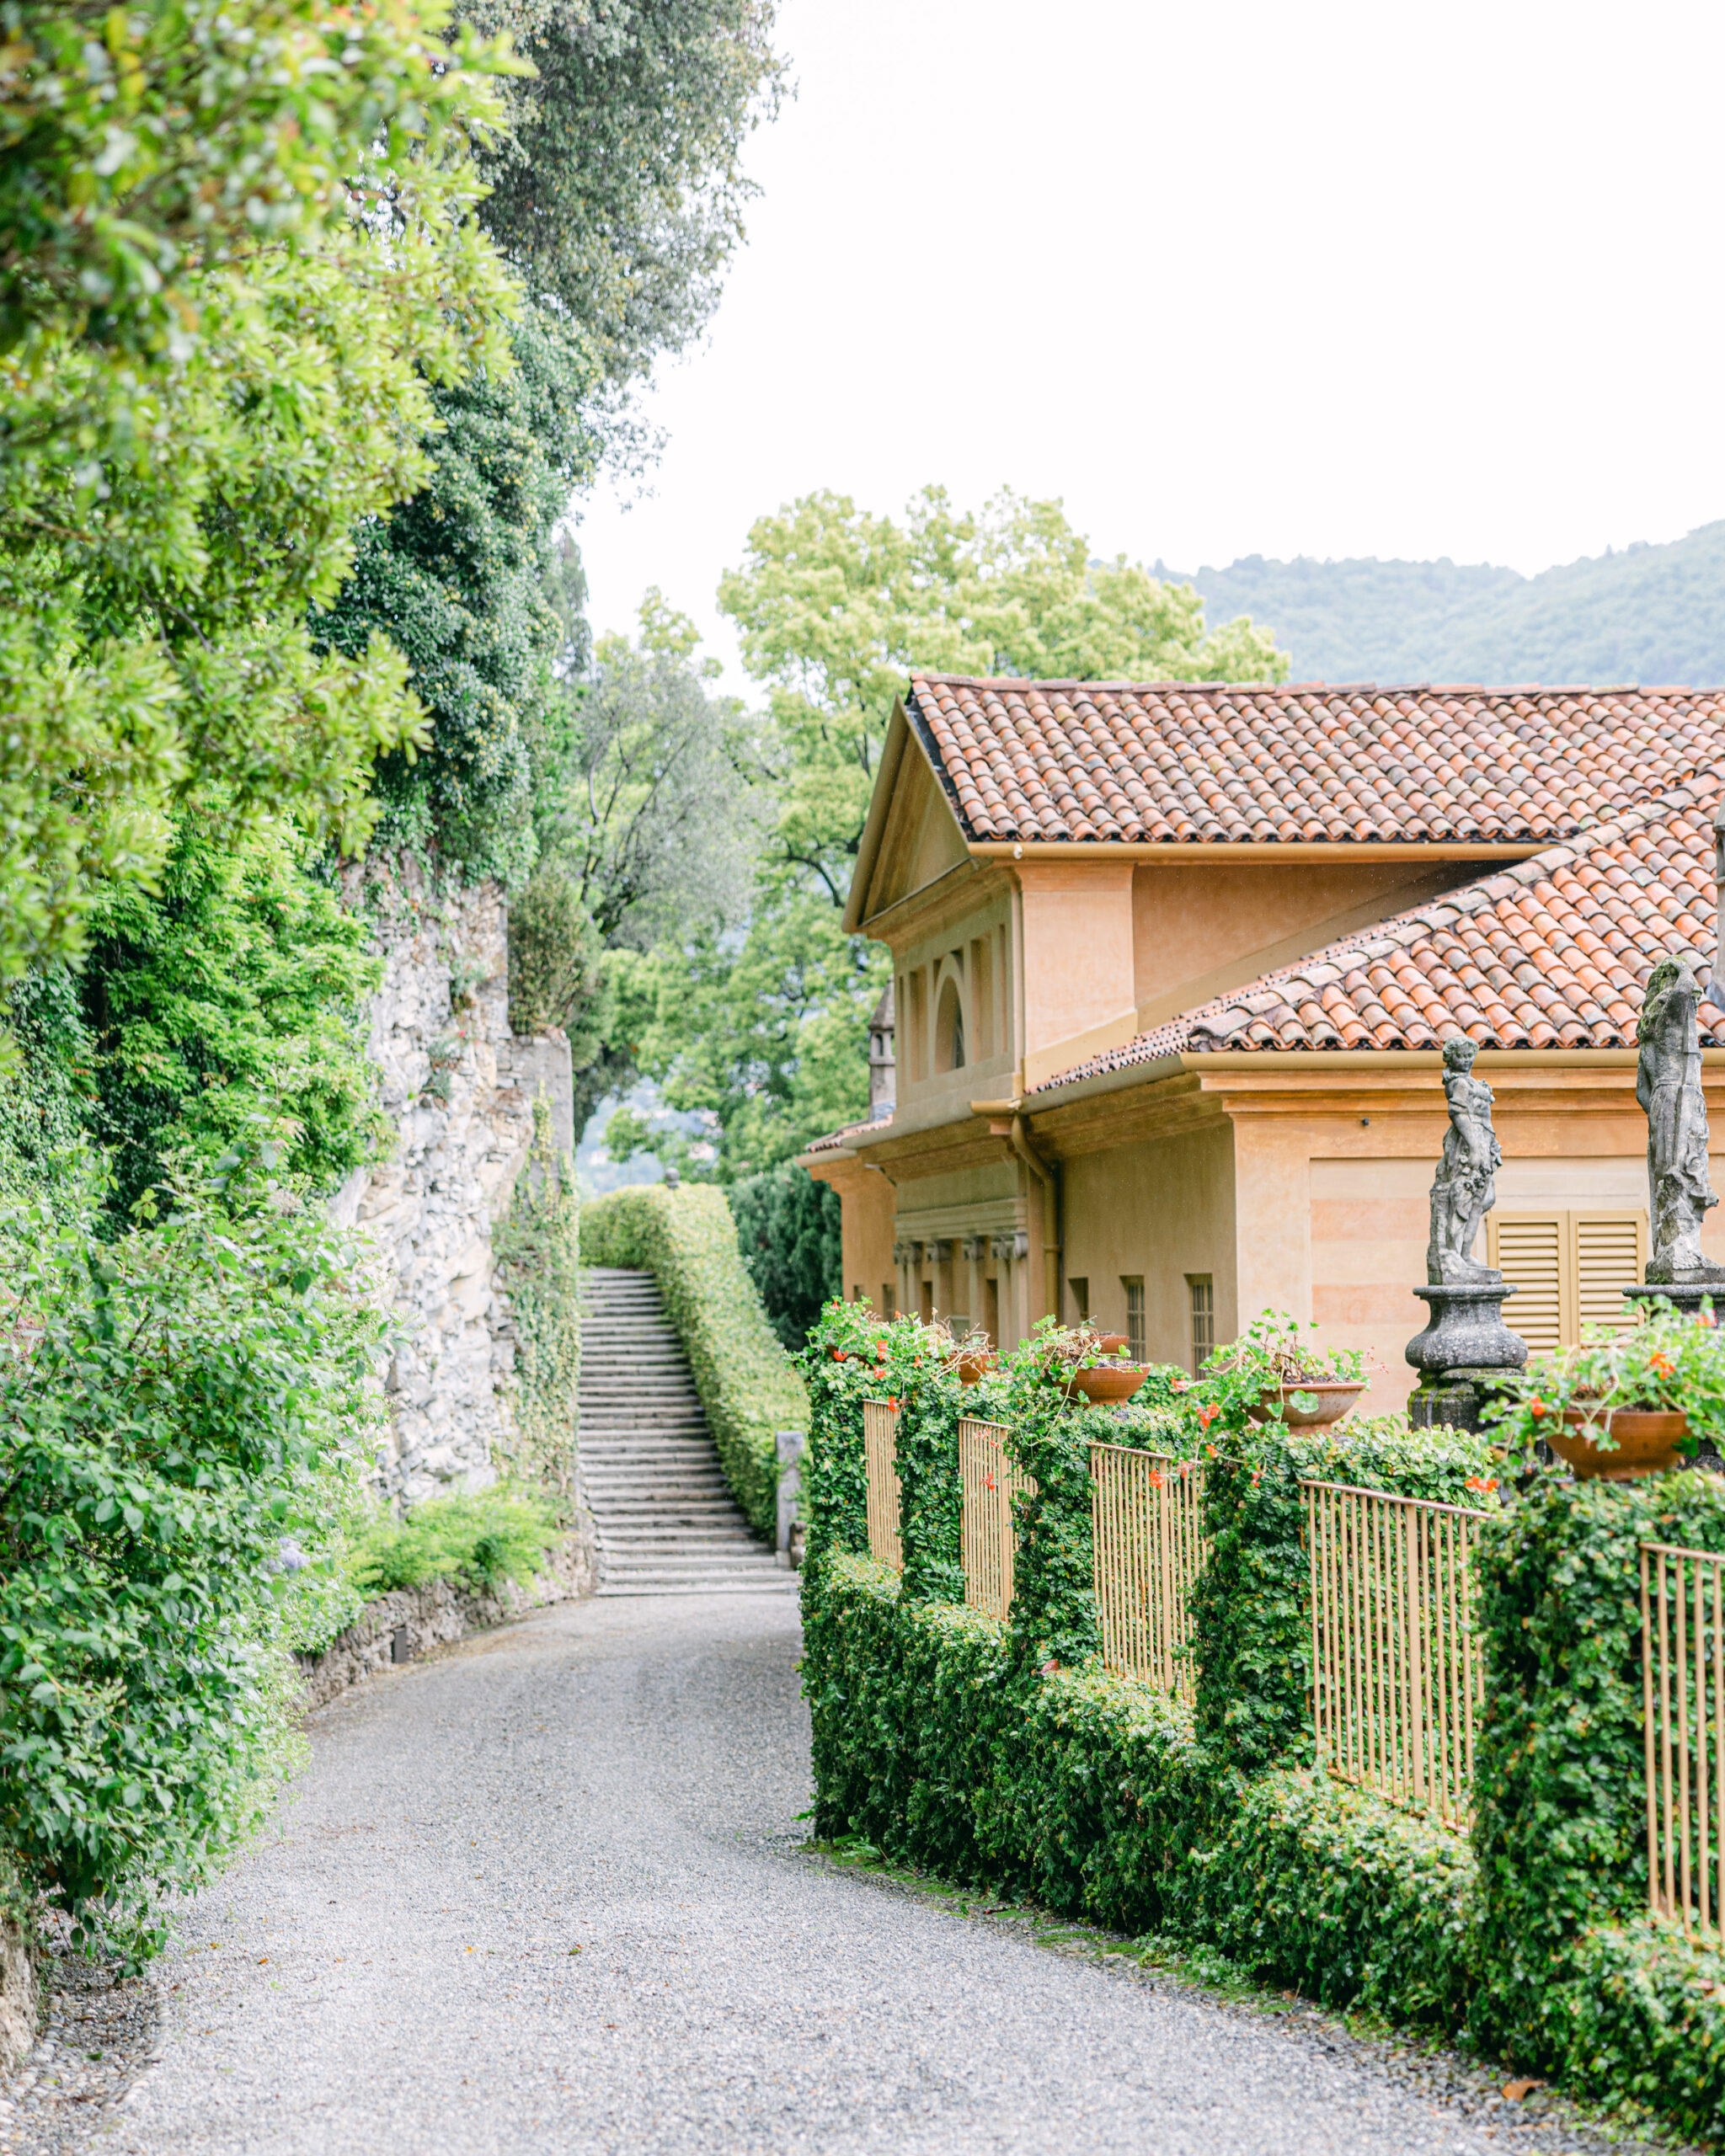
[
  {"x": 403, "y": 1625},
  {"x": 20, "y": 1995}
]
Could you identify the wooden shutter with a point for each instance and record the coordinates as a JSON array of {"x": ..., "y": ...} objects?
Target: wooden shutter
[
  {"x": 1571, "y": 1269},
  {"x": 1528, "y": 1249},
  {"x": 1610, "y": 1251}
]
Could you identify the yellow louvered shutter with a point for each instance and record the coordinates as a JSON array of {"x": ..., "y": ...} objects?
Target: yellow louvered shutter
[
  {"x": 1571, "y": 1269},
  {"x": 1610, "y": 1251},
  {"x": 1528, "y": 1248}
]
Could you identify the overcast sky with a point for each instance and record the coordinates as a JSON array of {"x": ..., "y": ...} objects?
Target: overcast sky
[{"x": 1393, "y": 280}]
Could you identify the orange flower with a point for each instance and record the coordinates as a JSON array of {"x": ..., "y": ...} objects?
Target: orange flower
[
  {"x": 1536, "y": 1406},
  {"x": 1206, "y": 1415},
  {"x": 1663, "y": 1364},
  {"x": 893, "y": 1405}
]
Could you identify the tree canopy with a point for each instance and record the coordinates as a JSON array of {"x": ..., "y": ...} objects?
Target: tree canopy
[{"x": 835, "y": 606}]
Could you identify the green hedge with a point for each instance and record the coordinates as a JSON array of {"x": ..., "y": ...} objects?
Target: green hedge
[
  {"x": 686, "y": 1239},
  {"x": 961, "y": 1743},
  {"x": 1092, "y": 1793},
  {"x": 1561, "y": 1828}
]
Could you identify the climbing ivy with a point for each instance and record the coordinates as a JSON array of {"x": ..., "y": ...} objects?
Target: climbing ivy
[{"x": 537, "y": 1253}]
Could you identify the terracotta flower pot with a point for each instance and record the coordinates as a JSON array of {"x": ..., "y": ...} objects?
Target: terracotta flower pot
[
  {"x": 1108, "y": 1382},
  {"x": 1644, "y": 1441},
  {"x": 1334, "y": 1397},
  {"x": 1111, "y": 1343},
  {"x": 974, "y": 1369}
]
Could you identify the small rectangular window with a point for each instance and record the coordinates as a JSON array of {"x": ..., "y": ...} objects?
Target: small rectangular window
[
  {"x": 927, "y": 1302},
  {"x": 889, "y": 1299},
  {"x": 1080, "y": 1300},
  {"x": 1133, "y": 1285},
  {"x": 1203, "y": 1292}
]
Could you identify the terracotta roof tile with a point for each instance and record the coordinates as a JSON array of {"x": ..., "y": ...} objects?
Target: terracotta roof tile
[
  {"x": 836, "y": 1139},
  {"x": 1185, "y": 763},
  {"x": 1552, "y": 952}
]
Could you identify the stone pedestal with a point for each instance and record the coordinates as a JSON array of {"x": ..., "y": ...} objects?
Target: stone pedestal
[
  {"x": 1466, "y": 1332},
  {"x": 1684, "y": 1295},
  {"x": 1458, "y": 1398}
]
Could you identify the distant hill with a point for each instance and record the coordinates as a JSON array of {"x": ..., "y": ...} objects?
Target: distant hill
[{"x": 1651, "y": 615}]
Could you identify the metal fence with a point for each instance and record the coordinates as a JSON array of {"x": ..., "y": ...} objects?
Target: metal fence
[
  {"x": 1144, "y": 1508},
  {"x": 880, "y": 1424},
  {"x": 1683, "y": 1699},
  {"x": 990, "y": 1482},
  {"x": 1398, "y": 1680}
]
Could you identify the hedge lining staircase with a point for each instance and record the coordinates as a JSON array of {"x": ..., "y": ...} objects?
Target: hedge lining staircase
[{"x": 667, "y": 1521}]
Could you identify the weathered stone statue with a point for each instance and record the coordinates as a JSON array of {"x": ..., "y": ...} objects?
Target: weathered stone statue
[
  {"x": 1463, "y": 1192},
  {"x": 1465, "y": 1349},
  {"x": 1667, "y": 1084}
]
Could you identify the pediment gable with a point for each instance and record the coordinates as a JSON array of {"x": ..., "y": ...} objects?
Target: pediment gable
[{"x": 912, "y": 836}]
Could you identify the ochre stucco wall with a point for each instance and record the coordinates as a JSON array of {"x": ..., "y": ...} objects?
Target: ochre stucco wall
[{"x": 1161, "y": 1209}]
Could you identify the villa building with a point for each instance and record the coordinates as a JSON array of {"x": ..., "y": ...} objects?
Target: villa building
[{"x": 1172, "y": 966}]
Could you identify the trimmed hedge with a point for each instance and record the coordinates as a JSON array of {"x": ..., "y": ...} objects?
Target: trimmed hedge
[
  {"x": 1092, "y": 1793},
  {"x": 1562, "y": 1830},
  {"x": 956, "y": 1742},
  {"x": 685, "y": 1237}
]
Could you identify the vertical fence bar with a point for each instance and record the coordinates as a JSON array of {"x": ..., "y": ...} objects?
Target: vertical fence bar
[
  {"x": 1395, "y": 1681},
  {"x": 1148, "y": 1548},
  {"x": 880, "y": 1424},
  {"x": 1683, "y": 1732}
]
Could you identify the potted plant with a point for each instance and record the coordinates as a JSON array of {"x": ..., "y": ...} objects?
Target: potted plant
[
  {"x": 1087, "y": 1363},
  {"x": 1624, "y": 1403},
  {"x": 1290, "y": 1380}
]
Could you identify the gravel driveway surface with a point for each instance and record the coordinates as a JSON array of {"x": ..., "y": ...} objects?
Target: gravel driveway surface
[{"x": 395, "y": 1970}]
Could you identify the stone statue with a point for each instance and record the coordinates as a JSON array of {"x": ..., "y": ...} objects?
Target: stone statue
[
  {"x": 1463, "y": 1192},
  {"x": 1667, "y": 1084}
]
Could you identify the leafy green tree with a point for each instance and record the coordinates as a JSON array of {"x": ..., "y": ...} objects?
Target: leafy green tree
[
  {"x": 231, "y": 998},
  {"x": 835, "y": 606},
  {"x": 618, "y": 190},
  {"x": 648, "y": 836},
  {"x": 187, "y": 450},
  {"x": 789, "y": 1231},
  {"x": 461, "y": 579}
]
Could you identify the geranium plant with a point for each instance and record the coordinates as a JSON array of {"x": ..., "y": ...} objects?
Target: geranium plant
[
  {"x": 1271, "y": 1355},
  {"x": 1669, "y": 1364}
]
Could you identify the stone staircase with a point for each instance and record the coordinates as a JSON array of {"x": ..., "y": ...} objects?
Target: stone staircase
[{"x": 667, "y": 1521}]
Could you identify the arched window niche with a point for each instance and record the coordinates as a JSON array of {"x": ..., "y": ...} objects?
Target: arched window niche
[{"x": 949, "y": 1029}]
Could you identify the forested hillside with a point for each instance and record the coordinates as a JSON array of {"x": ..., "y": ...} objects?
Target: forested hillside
[{"x": 1648, "y": 615}]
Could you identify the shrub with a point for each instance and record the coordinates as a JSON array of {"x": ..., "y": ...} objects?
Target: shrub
[
  {"x": 685, "y": 1238},
  {"x": 167, "y": 1403},
  {"x": 787, "y": 1229},
  {"x": 480, "y": 1539}
]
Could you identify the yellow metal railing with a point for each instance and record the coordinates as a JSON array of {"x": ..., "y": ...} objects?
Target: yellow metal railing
[
  {"x": 1398, "y": 1680},
  {"x": 1143, "y": 1509},
  {"x": 990, "y": 1482},
  {"x": 880, "y": 1424},
  {"x": 1683, "y": 1699}
]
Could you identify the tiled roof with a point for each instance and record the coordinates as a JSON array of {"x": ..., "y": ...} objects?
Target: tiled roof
[
  {"x": 834, "y": 1139},
  {"x": 1184, "y": 764},
  {"x": 1552, "y": 952}
]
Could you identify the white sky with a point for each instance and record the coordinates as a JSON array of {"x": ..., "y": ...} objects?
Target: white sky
[{"x": 1323, "y": 279}]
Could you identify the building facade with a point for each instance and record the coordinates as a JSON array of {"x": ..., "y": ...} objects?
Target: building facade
[{"x": 1173, "y": 968}]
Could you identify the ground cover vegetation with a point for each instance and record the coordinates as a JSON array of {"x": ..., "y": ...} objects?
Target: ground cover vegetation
[{"x": 1005, "y": 1755}]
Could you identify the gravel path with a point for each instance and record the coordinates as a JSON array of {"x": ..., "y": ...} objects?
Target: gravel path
[{"x": 396, "y": 1969}]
